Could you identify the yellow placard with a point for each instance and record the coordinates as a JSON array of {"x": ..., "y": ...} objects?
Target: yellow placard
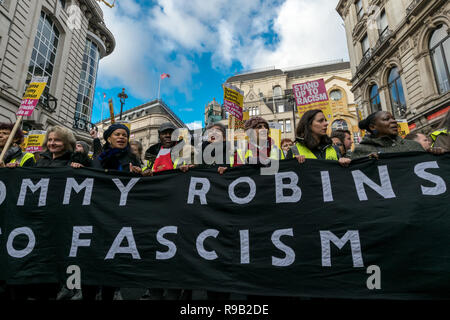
[
  {"x": 236, "y": 124},
  {"x": 34, "y": 90},
  {"x": 233, "y": 96},
  {"x": 35, "y": 141},
  {"x": 324, "y": 106},
  {"x": 403, "y": 128},
  {"x": 23, "y": 146}
]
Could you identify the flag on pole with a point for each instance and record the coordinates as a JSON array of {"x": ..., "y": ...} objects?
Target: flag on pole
[{"x": 165, "y": 75}]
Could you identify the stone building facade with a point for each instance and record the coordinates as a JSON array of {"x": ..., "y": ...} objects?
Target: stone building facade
[
  {"x": 400, "y": 57},
  {"x": 64, "y": 40},
  {"x": 269, "y": 94},
  {"x": 144, "y": 121}
]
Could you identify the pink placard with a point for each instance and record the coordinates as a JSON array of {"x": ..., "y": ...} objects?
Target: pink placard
[
  {"x": 34, "y": 149},
  {"x": 233, "y": 109},
  {"x": 26, "y": 107},
  {"x": 310, "y": 92}
]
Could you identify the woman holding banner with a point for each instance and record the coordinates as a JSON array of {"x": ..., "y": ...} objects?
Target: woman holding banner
[
  {"x": 14, "y": 157},
  {"x": 383, "y": 138},
  {"x": 116, "y": 153},
  {"x": 59, "y": 145},
  {"x": 312, "y": 140}
]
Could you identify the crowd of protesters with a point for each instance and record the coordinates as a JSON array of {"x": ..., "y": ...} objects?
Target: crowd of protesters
[{"x": 118, "y": 152}]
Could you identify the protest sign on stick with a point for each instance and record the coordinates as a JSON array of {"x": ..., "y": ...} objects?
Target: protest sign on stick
[
  {"x": 111, "y": 110},
  {"x": 29, "y": 102},
  {"x": 35, "y": 141},
  {"x": 312, "y": 95},
  {"x": 233, "y": 100}
]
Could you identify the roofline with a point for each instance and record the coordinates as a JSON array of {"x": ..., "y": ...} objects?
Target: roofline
[
  {"x": 288, "y": 70},
  {"x": 146, "y": 106}
]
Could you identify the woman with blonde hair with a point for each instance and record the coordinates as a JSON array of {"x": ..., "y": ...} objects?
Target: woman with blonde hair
[{"x": 59, "y": 145}]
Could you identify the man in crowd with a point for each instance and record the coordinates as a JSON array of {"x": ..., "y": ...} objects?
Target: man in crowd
[
  {"x": 342, "y": 139},
  {"x": 158, "y": 155},
  {"x": 422, "y": 139}
]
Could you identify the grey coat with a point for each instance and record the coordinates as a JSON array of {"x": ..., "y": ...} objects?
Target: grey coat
[{"x": 370, "y": 145}]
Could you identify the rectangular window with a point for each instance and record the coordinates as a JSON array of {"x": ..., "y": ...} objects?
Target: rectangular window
[
  {"x": 359, "y": 9},
  {"x": 365, "y": 45},
  {"x": 281, "y": 108},
  {"x": 288, "y": 125},
  {"x": 281, "y": 122},
  {"x": 382, "y": 23}
]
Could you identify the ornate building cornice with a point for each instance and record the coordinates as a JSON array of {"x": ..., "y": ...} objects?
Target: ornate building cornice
[{"x": 97, "y": 25}]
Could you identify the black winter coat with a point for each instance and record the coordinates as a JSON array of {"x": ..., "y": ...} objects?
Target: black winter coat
[
  {"x": 16, "y": 153},
  {"x": 82, "y": 158},
  {"x": 123, "y": 159},
  {"x": 46, "y": 160}
]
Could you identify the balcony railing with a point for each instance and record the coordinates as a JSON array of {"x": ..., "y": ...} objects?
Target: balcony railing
[
  {"x": 367, "y": 56},
  {"x": 384, "y": 37},
  {"x": 83, "y": 124},
  {"x": 47, "y": 101}
]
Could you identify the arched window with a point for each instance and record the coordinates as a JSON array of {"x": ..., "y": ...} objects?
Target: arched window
[
  {"x": 440, "y": 55},
  {"x": 339, "y": 124},
  {"x": 375, "y": 103},
  {"x": 398, "y": 101},
  {"x": 336, "y": 95},
  {"x": 44, "y": 51},
  {"x": 277, "y": 92},
  {"x": 88, "y": 79}
]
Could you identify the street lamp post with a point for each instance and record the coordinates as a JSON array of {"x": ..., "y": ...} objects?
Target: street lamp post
[{"x": 122, "y": 96}]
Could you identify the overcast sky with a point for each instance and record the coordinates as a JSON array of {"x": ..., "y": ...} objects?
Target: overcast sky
[{"x": 201, "y": 43}]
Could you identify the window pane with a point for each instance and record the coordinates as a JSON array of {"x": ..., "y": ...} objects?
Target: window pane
[
  {"x": 339, "y": 124},
  {"x": 382, "y": 22},
  {"x": 281, "y": 108},
  {"x": 336, "y": 95},
  {"x": 277, "y": 92},
  {"x": 440, "y": 70},
  {"x": 446, "y": 47},
  {"x": 281, "y": 122},
  {"x": 401, "y": 95},
  {"x": 43, "y": 55},
  {"x": 393, "y": 75},
  {"x": 394, "y": 95},
  {"x": 288, "y": 125},
  {"x": 437, "y": 36},
  {"x": 373, "y": 91},
  {"x": 365, "y": 44}
]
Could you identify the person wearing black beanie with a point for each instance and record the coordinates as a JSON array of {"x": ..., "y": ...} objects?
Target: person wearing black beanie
[{"x": 116, "y": 153}]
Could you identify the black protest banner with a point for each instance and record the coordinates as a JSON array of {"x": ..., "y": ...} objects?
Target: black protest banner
[{"x": 378, "y": 229}]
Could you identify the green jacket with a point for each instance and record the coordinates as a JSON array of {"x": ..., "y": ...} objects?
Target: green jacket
[{"x": 370, "y": 145}]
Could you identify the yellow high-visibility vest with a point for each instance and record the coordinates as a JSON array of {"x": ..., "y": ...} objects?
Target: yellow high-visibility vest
[
  {"x": 436, "y": 133},
  {"x": 301, "y": 150},
  {"x": 275, "y": 154},
  {"x": 175, "y": 164},
  {"x": 24, "y": 159}
]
